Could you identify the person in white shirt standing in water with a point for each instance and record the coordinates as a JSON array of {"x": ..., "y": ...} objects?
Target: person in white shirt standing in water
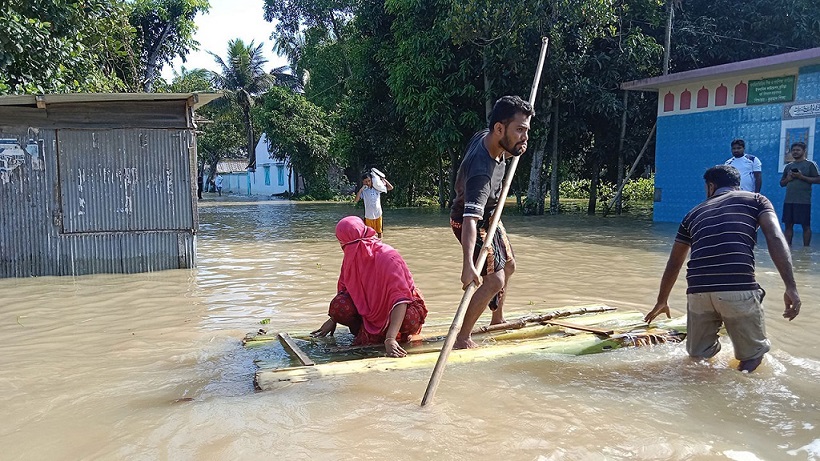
[
  {"x": 749, "y": 166},
  {"x": 372, "y": 203}
]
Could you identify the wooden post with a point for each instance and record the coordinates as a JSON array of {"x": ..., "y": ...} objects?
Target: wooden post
[
  {"x": 455, "y": 327},
  {"x": 634, "y": 165},
  {"x": 294, "y": 349}
]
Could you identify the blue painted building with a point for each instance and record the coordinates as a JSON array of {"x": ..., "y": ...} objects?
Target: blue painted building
[{"x": 768, "y": 102}]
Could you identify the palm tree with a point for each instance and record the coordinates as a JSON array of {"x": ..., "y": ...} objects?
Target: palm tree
[{"x": 242, "y": 79}]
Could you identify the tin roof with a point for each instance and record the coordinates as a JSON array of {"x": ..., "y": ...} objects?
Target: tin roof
[
  {"x": 769, "y": 63},
  {"x": 232, "y": 166},
  {"x": 194, "y": 99}
]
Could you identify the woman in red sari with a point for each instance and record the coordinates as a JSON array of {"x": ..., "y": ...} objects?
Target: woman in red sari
[{"x": 377, "y": 298}]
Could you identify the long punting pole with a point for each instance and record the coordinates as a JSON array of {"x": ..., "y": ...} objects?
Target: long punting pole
[{"x": 482, "y": 256}]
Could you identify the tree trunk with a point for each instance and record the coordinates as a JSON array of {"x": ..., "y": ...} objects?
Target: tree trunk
[
  {"x": 290, "y": 180},
  {"x": 535, "y": 196},
  {"x": 455, "y": 162},
  {"x": 151, "y": 61},
  {"x": 667, "y": 42},
  {"x": 246, "y": 112},
  {"x": 618, "y": 207},
  {"x": 593, "y": 187},
  {"x": 442, "y": 200},
  {"x": 554, "y": 205},
  {"x": 488, "y": 100},
  {"x": 598, "y": 136}
]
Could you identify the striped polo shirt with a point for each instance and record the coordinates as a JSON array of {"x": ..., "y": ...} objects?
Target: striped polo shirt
[{"x": 720, "y": 232}]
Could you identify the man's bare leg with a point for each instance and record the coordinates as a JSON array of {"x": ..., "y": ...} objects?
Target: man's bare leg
[
  {"x": 492, "y": 284},
  {"x": 498, "y": 313},
  {"x": 806, "y": 236},
  {"x": 789, "y": 233}
]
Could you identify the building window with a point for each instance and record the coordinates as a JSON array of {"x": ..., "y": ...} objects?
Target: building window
[
  {"x": 669, "y": 102},
  {"x": 267, "y": 175},
  {"x": 740, "y": 93},
  {"x": 721, "y": 95},
  {"x": 685, "y": 100},
  {"x": 703, "y": 97},
  {"x": 280, "y": 170}
]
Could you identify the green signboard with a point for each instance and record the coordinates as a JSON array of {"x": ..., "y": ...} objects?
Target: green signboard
[{"x": 771, "y": 90}]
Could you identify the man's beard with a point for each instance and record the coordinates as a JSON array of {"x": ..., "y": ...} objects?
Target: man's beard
[{"x": 512, "y": 149}]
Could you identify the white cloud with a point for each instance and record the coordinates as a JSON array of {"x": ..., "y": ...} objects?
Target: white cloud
[{"x": 227, "y": 20}]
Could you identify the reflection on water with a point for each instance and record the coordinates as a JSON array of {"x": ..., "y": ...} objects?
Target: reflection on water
[{"x": 150, "y": 366}]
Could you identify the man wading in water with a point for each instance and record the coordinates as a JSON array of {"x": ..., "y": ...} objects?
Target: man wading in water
[{"x": 478, "y": 189}]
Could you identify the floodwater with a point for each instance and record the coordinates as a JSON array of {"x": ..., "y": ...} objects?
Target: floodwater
[{"x": 151, "y": 366}]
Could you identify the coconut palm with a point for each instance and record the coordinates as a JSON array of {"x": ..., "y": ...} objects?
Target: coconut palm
[{"x": 242, "y": 79}]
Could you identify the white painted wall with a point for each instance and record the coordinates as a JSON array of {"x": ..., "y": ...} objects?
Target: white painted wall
[{"x": 271, "y": 175}]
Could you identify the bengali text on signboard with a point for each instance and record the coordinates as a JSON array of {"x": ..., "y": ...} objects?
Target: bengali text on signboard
[{"x": 771, "y": 90}]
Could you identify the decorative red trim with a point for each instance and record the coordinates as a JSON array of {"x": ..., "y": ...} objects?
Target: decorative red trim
[
  {"x": 740, "y": 93},
  {"x": 703, "y": 97},
  {"x": 721, "y": 95},
  {"x": 685, "y": 100},
  {"x": 669, "y": 102}
]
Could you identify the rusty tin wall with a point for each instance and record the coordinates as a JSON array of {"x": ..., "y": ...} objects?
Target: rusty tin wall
[{"x": 89, "y": 201}]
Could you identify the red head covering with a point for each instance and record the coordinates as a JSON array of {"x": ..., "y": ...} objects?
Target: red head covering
[{"x": 373, "y": 273}]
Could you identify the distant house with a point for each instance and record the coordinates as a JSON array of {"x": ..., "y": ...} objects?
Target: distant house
[
  {"x": 769, "y": 102},
  {"x": 272, "y": 176},
  {"x": 234, "y": 175}
]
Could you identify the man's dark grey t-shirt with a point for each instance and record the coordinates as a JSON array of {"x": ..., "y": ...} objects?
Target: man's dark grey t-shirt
[
  {"x": 479, "y": 182},
  {"x": 797, "y": 190}
]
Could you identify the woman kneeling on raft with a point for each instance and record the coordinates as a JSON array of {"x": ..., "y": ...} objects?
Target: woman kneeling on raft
[{"x": 377, "y": 298}]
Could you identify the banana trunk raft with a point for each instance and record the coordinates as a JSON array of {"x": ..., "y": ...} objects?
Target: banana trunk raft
[{"x": 573, "y": 331}]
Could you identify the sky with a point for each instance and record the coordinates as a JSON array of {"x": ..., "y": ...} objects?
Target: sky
[{"x": 227, "y": 20}]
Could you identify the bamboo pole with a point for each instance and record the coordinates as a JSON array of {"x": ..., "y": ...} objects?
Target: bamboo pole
[
  {"x": 482, "y": 257},
  {"x": 523, "y": 321},
  {"x": 634, "y": 165}
]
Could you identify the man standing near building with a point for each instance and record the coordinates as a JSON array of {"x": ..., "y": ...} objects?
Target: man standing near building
[
  {"x": 372, "y": 203},
  {"x": 218, "y": 183},
  {"x": 749, "y": 167},
  {"x": 721, "y": 273},
  {"x": 798, "y": 177},
  {"x": 478, "y": 191}
]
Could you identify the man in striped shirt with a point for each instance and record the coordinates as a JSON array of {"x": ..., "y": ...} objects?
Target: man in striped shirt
[{"x": 720, "y": 233}]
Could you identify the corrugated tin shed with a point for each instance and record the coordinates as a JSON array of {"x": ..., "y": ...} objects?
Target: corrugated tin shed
[{"x": 97, "y": 183}]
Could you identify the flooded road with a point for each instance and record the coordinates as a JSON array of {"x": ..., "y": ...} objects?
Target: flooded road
[{"x": 150, "y": 366}]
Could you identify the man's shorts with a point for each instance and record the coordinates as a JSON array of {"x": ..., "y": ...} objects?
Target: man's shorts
[
  {"x": 499, "y": 252},
  {"x": 740, "y": 311},
  {"x": 375, "y": 224},
  {"x": 797, "y": 213}
]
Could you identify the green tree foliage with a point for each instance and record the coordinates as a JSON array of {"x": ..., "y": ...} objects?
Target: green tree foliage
[
  {"x": 66, "y": 46},
  {"x": 164, "y": 30},
  {"x": 707, "y": 33},
  {"x": 243, "y": 79},
  {"x": 436, "y": 85},
  {"x": 407, "y": 82},
  {"x": 220, "y": 129},
  {"x": 297, "y": 128}
]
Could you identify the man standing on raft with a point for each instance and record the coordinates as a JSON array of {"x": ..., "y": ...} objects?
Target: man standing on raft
[{"x": 478, "y": 189}]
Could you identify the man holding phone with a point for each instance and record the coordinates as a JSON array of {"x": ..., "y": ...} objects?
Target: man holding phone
[{"x": 798, "y": 178}]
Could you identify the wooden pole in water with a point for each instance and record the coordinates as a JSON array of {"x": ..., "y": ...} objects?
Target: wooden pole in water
[{"x": 455, "y": 327}]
